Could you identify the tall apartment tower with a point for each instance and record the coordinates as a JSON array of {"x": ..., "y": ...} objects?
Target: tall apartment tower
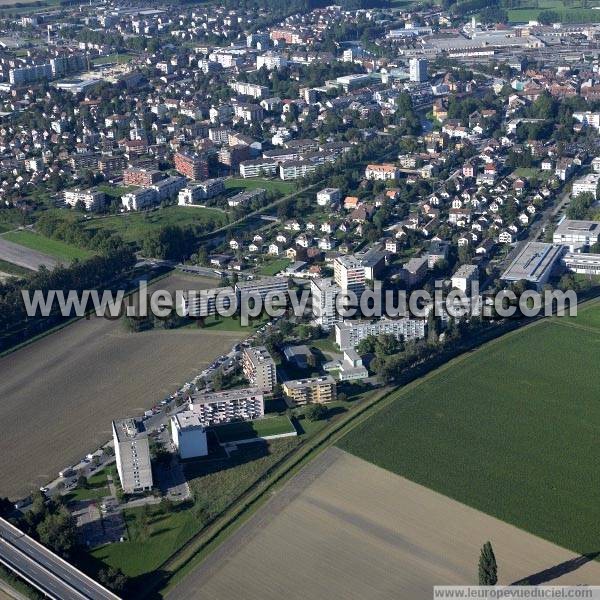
[
  {"x": 418, "y": 69},
  {"x": 324, "y": 293},
  {"x": 132, "y": 452},
  {"x": 259, "y": 368},
  {"x": 349, "y": 274}
]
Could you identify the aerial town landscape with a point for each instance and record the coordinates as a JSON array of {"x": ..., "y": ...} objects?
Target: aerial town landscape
[{"x": 299, "y": 300}]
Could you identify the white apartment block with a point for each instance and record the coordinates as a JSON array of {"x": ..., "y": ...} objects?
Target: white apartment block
[
  {"x": 139, "y": 199},
  {"x": 201, "y": 191},
  {"x": 296, "y": 169},
  {"x": 259, "y": 368},
  {"x": 132, "y": 452},
  {"x": 91, "y": 199},
  {"x": 348, "y": 334},
  {"x": 217, "y": 408},
  {"x": 260, "y": 166},
  {"x": 188, "y": 435},
  {"x": 271, "y": 61},
  {"x": 262, "y": 286},
  {"x": 591, "y": 119},
  {"x": 209, "y": 302},
  {"x": 588, "y": 184},
  {"x": 464, "y": 276},
  {"x": 249, "y": 89},
  {"x": 349, "y": 274},
  {"x": 418, "y": 69},
  {"x": 328, "y": 196},
  {"x": 324, "y": 293}
]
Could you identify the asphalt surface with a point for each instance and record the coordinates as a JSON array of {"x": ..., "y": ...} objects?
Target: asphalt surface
[
  {"x": 25, "y": 257},
  {"x": 36, "y": 563}
]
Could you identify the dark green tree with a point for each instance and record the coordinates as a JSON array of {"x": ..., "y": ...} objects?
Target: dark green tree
[{"x": 488, "y": 569}]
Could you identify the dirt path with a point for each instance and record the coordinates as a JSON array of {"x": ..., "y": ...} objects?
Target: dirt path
[{"x": 346, "y": 529}]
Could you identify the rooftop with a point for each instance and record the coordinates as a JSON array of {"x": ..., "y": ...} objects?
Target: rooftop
[{"x": 533, "y": 262}]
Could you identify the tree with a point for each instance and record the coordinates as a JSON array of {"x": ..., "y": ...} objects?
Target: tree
[
  {"x": 547, "y": 17},
  {"x": 488, "y": 570},
  {"x": 58, "y": 531},
  {"x": 6, "y": 507},
  {"x": 113, "y": 579},
  {"x": 316, "y": 412},
  {"x": 82, "y": 482}
]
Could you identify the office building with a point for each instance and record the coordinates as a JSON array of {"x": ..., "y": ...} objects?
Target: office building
[
  {"x": 310, "y": 391},
  {"x": 323, "y": 294},
  {"x": 418, "y": 69},
  {"x": 216, "y": 408},
  {"x": 259, "y": 368},
  {"x": 348, "y": 334},
  {"x": 132, "y": 453},
  {"x": 583, "y": 263},
  {"x": 191, "y": 165},
  {"x": 349, "y": 274},
  {"x": 534, "y": 264},
  {"x": 576, "y": 234},
  {"x": 91, "y": 199},
  {"x": 188, "y": 435}
]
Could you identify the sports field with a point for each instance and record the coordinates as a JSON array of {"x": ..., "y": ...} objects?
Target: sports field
[{"x": 511, "y": 429}]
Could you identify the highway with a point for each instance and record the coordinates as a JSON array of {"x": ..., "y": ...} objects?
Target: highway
[{"x": 46, "y": 571}]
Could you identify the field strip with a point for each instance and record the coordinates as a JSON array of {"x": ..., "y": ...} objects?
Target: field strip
[
  {"x": 345, "y": 529},
  {"x": 564, "y": 323}
]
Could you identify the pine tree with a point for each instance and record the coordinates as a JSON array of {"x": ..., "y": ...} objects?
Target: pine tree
[{"x": 488, "y": 569}]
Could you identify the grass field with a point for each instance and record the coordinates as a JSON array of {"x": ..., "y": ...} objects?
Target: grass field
[
  {"x": 115, "y": 191},
  {"x": 273, "y": 267},
  {"x": 215, "y": 485},
  {"x": 54, "y": 248},
  {"x": 575, "y": 13},
  {"x": 510, "y": 429},
  {"x": 135, "y": 226},
  {"x": 97, "y": 489},
  {"x": 11, "y": 269},
  {"x": 253, "y": 429},
  {"x": 275, "y": 185}
]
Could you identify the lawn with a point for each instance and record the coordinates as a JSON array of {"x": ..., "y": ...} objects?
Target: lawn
[
  {"x": 571, "y": 14},
  {"x": 135, "y": 226},
  {"x": 115, "y": 191},
  {"x": 215, "y": 485},
  {"x": 55, "y": 248},
  {"x": 273, "y": 267},
  {"x": 511, "y": 429},
  {"x": 276, "y": 185},
  {"x": 97, "y": 489},
  {"x": 16, "y": 270},
  {"x": 232, "y": 324},
  {"x": 253, "y": 429}
]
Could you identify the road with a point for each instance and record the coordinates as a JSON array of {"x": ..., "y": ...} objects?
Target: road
[
  {"x": 48, "y": 572},
  {"x": 25, "y": 257}
]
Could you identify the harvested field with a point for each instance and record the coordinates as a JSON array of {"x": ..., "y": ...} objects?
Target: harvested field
[
  {"x": 60, "y": 393},
  {"x": 346, "y": 529}
]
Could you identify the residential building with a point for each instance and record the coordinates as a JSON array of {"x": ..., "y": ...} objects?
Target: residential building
[
  {"x": 464, "y": 276},
  {"x": 259, "y": 368},
  {"x": 310, "y": 391},
  {"x": 414, "y": 271},
  {"x": 324, "y": 293},
  {"x": 352, "y": 367},
  {"x": 188, "y": 435},
  {"x": 348, "y": 334},
  {"x": 349, "y": 274},
  {"x": 209, "y": 302},
  {"x": 141, "y": 177},
  {"x": 249, "y": 89},
  {"x": 200, "y": 191},
  {"x": 329, "y": 196},
  {"x": 139, "y": 199},
  {"x": 91, "y": 199},
  {"x": 216, "y": 408},
  {"x": 258, "y": 167},
  {"x": 418, "y": 69},
  {"x": 382, "y": 172},
  {"x": 191, "y": 165},
  {"x": 262, "y": 286},
  {"x": 132, "y": 453}
]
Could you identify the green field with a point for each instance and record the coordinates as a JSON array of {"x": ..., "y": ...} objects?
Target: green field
[
  {"x": 134, "y": 226},
  {"x": 55, "y": 248},
  {"x": 96, "y": 490},
  {"x": 115, "y": 191},
  {"x": 215, "y": 484},
  {"x": 16, "y": 270},
  {"x": 253, "y": 429},
  {"x": 511, "y": 429},
  {"x": 275, "y": 185},
  {"x": 577, "y": 12},
  {"x": 274, "y": 266}
]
